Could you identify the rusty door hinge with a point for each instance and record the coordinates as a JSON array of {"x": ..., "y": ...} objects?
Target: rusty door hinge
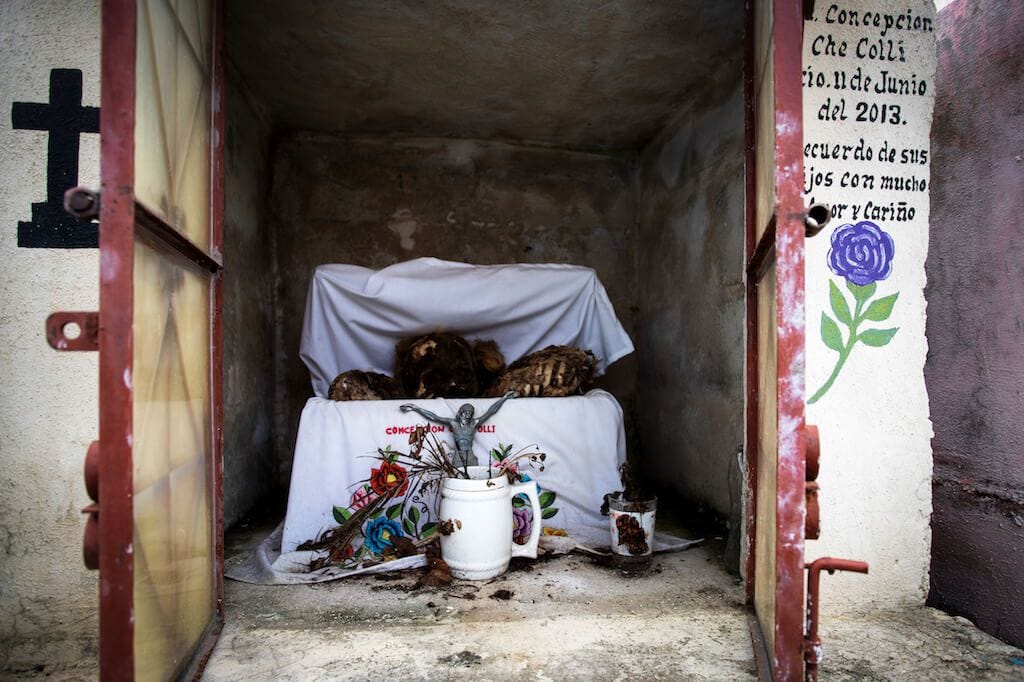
[
  {"x": 73, "y": 330},
  {"x": 812, "y": 450},
  {"x": 91, "y": 538}
]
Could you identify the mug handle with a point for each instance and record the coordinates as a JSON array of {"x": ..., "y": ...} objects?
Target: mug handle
[{"x": 530, "y": 548}]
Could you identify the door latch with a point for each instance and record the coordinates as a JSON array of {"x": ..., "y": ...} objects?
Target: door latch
[
  {"x": 91, "y": 537},
  {"x": 812, "y": 643},
  {"x": 817, "y": 217},
  {"x": 83, "y": 203}
]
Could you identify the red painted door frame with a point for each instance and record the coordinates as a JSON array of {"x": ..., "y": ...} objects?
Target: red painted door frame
[
  {"x": 781, "y": 243},
  {"x": 121, "y": 219}
]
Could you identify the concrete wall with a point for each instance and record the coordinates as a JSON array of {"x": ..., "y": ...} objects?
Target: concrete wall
[
  {"x": 690, "y": 293},
  {"x": 48, "y": 413},
  {"x": 975, "y": 368},
  {"x": 869, "y": 400},
  {"x": 250, "y": 468},
  {"x": 374, "y": 202}
]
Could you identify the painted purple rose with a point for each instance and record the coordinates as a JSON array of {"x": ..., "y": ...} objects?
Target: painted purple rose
[
  {"x": 861, "y": 253},
  {"x": 522, "y": 524}
]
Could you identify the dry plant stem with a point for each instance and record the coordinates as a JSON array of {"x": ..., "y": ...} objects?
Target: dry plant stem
[{"x": 337, "y": 540}]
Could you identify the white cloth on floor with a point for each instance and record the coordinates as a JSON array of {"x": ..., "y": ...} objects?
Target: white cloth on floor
[
  {"x": 354, "y": 315},
  {"x": 265, "y": 565},
  {"x": 582, "y": 436}
]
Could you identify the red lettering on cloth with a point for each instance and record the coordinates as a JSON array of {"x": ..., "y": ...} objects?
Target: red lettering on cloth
[{"x": 434, "y": 428}]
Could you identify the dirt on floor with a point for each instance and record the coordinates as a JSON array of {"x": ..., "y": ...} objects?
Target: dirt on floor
[
  {"x": 561, "y": 618},
  {"x": 568, "y": 618}
]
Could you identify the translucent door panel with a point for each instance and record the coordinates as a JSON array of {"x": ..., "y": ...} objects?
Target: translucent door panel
[
  {"x": 174, "y": 562},
  {"x": 764, "y": 571},
  {"x": 161, "y": 290},
  {"x": 172, "y": 114}
]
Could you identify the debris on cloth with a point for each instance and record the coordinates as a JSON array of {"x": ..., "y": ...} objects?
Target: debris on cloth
[{"x": 266, "y": 565}]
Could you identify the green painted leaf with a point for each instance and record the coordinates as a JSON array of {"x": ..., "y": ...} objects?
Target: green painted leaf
[
  {"x": 861, "y": 293},
  {"x": 414, "y": 515},
  {"x": 428, "y": 529},
  {"x": 830, "y": 333},
  {"x": 881, "y": 309},
  {"x": 410, "y": 529},
  {"x": 518, "y": 501},
  {"x": 549, "y": 512},
  {"x": 877, "y": 337},
  {"x": 839, "y": 305},
  {"x": 341, "y": 515},
  {"x": 394, "y": 511},
  {"x": 547, "y": 498}
]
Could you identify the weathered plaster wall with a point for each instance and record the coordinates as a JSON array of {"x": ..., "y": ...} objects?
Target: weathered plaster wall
[
  {"x": 690, "y": 388},
  {"x": 872, "y": 407},
  {"x": 604, "y": 75},
  {"x": 48, "y": 413},
  {"x": 374, "y": 202},
  {"x": 250, "y": 469},
  {"x": 975, "y": 367}
]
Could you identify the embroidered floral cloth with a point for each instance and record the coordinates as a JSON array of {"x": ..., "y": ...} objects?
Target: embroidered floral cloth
[{"x": 337, "y": 468}]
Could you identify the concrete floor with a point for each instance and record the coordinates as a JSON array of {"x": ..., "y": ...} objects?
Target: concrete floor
[{"x": 567, "y": 618}]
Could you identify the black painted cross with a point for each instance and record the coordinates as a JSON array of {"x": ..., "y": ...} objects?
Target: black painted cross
[{"x": 65, "y": 119}]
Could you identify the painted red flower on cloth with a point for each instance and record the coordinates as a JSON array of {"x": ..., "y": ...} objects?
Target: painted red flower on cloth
[{"x": 389, "y": 476}]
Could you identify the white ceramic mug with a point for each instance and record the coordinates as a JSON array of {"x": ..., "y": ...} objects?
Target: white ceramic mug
[{"x": 477, "y": 544}]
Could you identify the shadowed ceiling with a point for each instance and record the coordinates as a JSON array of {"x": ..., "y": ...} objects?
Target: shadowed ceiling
[{"x": 567, "y": 73}]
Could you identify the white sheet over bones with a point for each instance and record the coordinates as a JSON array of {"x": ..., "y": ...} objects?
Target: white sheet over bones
[{"x": 354, "y": 315}]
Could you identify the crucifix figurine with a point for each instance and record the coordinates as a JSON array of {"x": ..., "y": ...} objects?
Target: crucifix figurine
[{"x": 463, "y": 426}]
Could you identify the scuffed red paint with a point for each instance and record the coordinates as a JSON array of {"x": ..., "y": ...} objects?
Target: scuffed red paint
[
  {"x": 787, "y": 657},
  {"x": 117, "y": 169},
  {"x": 789, "y": 213}
]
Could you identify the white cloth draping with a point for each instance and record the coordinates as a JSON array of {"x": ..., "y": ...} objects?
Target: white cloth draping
[{"x": 354, "y": 315}]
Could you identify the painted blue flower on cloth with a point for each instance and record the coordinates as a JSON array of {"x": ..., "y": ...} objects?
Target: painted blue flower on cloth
[
  {"x": 862, "y": 254},
  {"x": 378, "y": 533}
]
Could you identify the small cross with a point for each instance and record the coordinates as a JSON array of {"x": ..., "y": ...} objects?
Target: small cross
[{"x": 65, "y": 119}]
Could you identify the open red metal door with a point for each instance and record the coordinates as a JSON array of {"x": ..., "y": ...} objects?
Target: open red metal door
[
  {"x": 775, "y": 336},
  {"x": 160, "y": 534}
]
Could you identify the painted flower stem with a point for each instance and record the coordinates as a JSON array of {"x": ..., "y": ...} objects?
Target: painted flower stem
[
  {"x": 843, "y": 355},
  {"x": 832, "y": 377}
]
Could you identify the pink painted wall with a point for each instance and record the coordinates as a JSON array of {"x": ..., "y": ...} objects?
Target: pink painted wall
[{"x": 975, "y": 368}]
